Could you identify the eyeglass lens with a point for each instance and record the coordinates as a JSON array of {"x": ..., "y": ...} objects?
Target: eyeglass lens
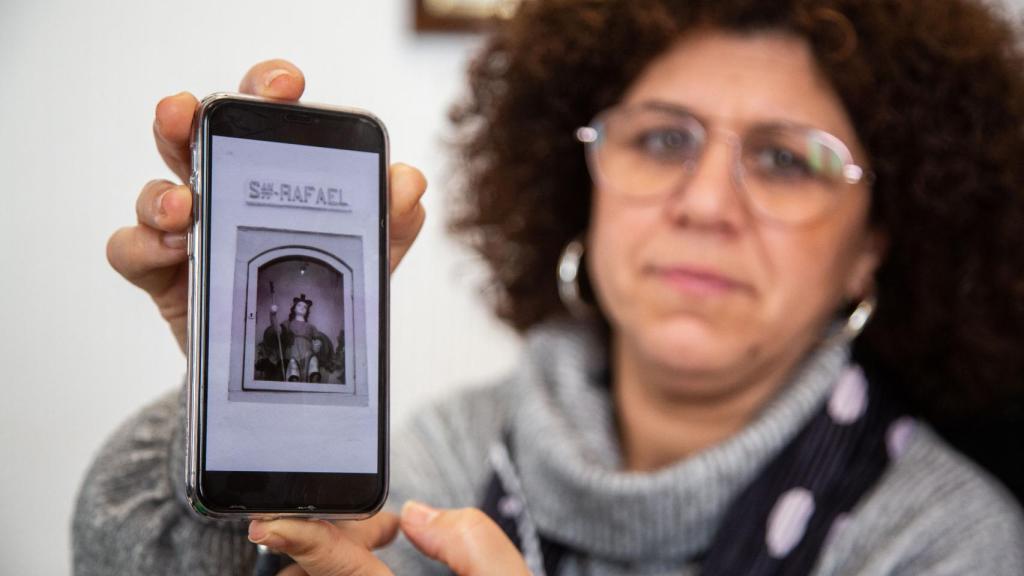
[{"x": 788, "y": 173}]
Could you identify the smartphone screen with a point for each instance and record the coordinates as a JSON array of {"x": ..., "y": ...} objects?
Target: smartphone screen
[{"x": 294, "y": 396}]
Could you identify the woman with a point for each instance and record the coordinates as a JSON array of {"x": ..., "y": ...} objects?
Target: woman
[{"x": 754, "y": 181}]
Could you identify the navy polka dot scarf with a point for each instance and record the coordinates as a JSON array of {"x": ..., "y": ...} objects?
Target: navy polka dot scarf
[{"x": 780, "y": 523}]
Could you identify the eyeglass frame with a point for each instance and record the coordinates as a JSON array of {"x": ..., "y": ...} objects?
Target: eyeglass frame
[{"x": 591, "y": 134}]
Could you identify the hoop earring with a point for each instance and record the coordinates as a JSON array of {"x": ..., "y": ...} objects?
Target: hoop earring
[
  {"x": 567, "y": 274},
  {"x": 858, "y": 319}
]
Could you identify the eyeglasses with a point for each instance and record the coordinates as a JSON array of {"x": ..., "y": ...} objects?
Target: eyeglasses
[{"x": 787, "y": 173}]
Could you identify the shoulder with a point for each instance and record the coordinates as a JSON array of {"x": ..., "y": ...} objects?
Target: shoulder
[
  {"x": 933, "y": 512},
  {"x": 441, "y": 454}
]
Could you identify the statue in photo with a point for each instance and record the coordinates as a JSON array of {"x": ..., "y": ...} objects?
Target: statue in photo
[{"x": 304, "y": 351}]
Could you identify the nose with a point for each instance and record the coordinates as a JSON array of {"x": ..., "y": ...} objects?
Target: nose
[{"x": 708, "y": 196}]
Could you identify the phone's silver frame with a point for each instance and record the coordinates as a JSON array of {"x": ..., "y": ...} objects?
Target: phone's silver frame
[{"x": 195, "y": 339}]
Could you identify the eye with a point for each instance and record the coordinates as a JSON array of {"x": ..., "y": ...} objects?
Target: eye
[
  {"x": 667, "y": 143},
  {"x": 781, "y": 162}
]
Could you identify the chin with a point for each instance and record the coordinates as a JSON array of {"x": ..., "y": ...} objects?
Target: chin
[{"x": 690, "y": 345}]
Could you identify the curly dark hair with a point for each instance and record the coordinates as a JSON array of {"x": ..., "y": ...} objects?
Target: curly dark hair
[{"x": 935, "y": 91}]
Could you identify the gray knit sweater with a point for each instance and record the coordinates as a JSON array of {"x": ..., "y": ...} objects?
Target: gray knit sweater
[{"x": 933, "y": 511}]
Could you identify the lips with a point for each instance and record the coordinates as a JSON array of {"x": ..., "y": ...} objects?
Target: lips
[{"x": 699, "y": 281}]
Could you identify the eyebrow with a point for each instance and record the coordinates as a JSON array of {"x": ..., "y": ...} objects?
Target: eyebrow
[{"x": 676, "y": 109}]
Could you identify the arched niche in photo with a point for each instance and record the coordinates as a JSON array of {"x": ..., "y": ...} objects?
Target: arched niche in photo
[{"x": 278, "y": 358}]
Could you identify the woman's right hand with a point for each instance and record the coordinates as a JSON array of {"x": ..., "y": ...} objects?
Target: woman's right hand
[{"x": 151, "y": 254}]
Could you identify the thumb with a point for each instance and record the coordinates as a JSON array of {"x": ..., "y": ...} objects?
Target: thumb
[{"x": 466, "y": 540}]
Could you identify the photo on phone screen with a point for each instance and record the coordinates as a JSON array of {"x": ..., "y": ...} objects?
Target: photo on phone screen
[{"x": 293, "y": 399}]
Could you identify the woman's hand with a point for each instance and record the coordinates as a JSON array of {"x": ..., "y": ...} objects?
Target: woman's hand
[
  {"x": 465, "y": 540},
  {"x": 151, "y": 254}
]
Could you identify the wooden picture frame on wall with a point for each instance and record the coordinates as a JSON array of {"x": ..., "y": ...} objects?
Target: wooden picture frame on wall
[{"x": 460, "y": 15}]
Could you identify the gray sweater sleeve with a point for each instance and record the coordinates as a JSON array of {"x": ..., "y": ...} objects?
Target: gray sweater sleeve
[{"x": 131, "y": 517}]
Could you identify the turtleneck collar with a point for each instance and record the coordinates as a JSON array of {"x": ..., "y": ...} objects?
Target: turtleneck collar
[{"x": 568, "y": 456}]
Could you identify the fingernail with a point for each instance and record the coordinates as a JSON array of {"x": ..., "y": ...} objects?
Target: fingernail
[
  {"x": 417, "y": 513},
  {"x": 174, "y": 240},
  {"x": 259, "y": 534},
  {"x": 274, "y": 75}
]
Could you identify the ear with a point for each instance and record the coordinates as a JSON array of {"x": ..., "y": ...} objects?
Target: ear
[{"x": 872, "y": 251}]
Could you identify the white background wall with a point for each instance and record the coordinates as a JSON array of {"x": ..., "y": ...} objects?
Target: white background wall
[{"x": 80, "y": 349}]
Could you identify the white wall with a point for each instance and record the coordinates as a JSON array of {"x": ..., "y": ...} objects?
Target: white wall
[{"x": 81, "y": 349}]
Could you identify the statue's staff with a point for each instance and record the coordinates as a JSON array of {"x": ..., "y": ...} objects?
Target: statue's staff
[{"x": 277, "y": 328}]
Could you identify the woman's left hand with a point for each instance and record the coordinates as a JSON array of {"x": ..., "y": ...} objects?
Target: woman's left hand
[{"x": 465, "y": 540}]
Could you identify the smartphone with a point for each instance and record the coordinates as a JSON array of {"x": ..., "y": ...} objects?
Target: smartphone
[{"x": 288, "y": 331}]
